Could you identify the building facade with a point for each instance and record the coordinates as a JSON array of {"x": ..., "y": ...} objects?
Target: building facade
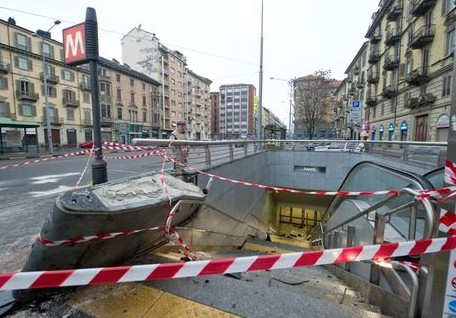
[
  {"x": 143, "y": 52},
  {"x": 237, "y": 118},
  {"x": 405, "y": 86},
  {"x": 215, "y": 115},
  {"x": 128, "y": 98},
  {"x": 198, "y": 107}
]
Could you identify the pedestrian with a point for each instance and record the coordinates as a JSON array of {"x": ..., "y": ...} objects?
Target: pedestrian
[{"x": 180, "y": 152}]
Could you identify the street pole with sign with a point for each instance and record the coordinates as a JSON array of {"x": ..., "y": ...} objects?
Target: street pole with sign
[{"x": 80, "y": 45}]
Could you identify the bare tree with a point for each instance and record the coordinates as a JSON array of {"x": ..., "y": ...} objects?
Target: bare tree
[{"x": 314, "y": 100}]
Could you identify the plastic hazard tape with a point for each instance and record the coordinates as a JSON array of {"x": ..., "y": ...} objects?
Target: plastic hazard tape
[
  {"x": 121, "y": 274},
  {"x": 91, "y": 238},
  {"x": 422, "y": 195},
  {"x": 26, "y": 163}
]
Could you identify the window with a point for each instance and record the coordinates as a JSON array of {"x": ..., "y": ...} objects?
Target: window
[
  {"x": 105, "y": 111},
  {"x": 70, "y": 113},
  {"x": 23, "y": 63},
  {"x": 25, "y": 87},
  {"x": 144, "y": 86},
  {"x": 86, "y": 97},
  {"x": 156, "y": 118},
  {"x": 132, "y": 98},
  {"x": 118, "y": 78},
  {"x": 119, "y": 113},
  {"x": 132, "y": 82},
  {"x": 46, "y": 50},
  {"x": 449, "y": 42},
  {"x": 68, "y": 75},
  {"x": 27, "y": 110},
  {"x": 69, "y": 95},
  {"x": 119, "y": 94},
  {"x": 22, "y": 42},
  {"x": 51, "y": 91},
  {"x": 144, "y": 100},
  {"x": 144, "y": 113},
  {"x": 3, "y": 82},
  {"x": 4, "y": 109},
  {"x": 446, "y": 87},
  {"x": 133, "y": 115},
  {"x": 105, "y": 89}
]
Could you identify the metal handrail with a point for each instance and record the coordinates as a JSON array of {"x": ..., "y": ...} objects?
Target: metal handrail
[
  {"x": 414, "y": 290},
  {"x": 429, "y": 210}
]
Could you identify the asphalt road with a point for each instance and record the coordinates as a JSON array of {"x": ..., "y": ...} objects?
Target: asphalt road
[{"x": 28, "y": 193}]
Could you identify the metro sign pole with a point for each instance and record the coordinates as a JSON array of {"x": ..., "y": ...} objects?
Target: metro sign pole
[{"x": 80, "y": 45}]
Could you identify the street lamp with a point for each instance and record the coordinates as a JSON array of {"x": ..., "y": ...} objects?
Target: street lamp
[
  {"x": 46, "y": 102},
  {"x": 290, "y": 82}
]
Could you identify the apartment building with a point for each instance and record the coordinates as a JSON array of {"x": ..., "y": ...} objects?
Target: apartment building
[
  {"x": 27, "y": 58},
  {"x": 236, "y": 111},
  {"x": 405, "y": 86},
  {"x": 129, "y": 103},
  {"x": 273, "y": 127},
  {"x": 143, "y": 51},
  {"x": 198, "y": 110},
  {"x": 215, "y": 122}
]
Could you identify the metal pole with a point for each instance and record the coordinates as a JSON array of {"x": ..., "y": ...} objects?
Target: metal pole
[
  {"x": 46, "y": 93},
  {"x": 260, "y": 91},
  {"x": 290, "y": 135},
  {"x": 46, "y": 102},
  {"x": 163, "y": 93},
  {"x": 99, "y": 165}
]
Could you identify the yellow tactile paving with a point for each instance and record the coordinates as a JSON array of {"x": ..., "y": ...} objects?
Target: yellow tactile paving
[
  {"x": 134, "y": 300},
  {"x": 173, "y": 306}
]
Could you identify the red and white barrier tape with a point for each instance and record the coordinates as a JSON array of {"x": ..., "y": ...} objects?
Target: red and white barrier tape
[
  {"x": 121, "y": 274},
  {"x": 91, "y": 238},
  {"x": 422, "y": 195},
  {"x": 26, "y": 163},
  {"x": 142, "y": 155}
]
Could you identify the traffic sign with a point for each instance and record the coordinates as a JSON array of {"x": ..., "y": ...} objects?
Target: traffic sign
[
  {"x": 356, "y": 104},
  {"x": 74, "y": 45}
]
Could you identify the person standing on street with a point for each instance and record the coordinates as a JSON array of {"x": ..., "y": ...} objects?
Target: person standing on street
[{"x": 180, "y": 152}]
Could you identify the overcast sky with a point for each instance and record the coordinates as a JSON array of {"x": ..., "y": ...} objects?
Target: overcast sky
[{"x": 221, "y": 39}]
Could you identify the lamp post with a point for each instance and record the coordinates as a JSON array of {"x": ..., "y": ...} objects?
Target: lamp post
[
  {"x": 46, "y": 101},
  {"x": 290, "y": 82}
]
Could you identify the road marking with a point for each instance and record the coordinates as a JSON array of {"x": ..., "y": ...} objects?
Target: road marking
[
  {"x": 52, "y": 178},
  {"x": 60, "y": 189}
]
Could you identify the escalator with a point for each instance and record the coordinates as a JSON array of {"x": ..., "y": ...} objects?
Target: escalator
[{"x": 383, "y": 217}]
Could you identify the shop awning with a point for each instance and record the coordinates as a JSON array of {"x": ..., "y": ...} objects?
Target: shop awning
[{"x": 8, "y": 122}]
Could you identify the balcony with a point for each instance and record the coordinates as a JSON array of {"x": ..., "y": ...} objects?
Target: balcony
[
  {"x": 371, "y": 101},
  {"x": 389, "y": 91},
  {"x": 374, "y": 57},
  {"x": 423, "y": 36},
  {"x": 426, "y": 99},
  {"x": 394, "y": 13},
  {"x": 420, "y": 7},
  {"x": 391, "y": 62},
  {"x": 418, "y": 76},
  {"x": 360, "y": 84},
  {"x": 54, "y": 120},
  {"x": 70, "y": 102},
  {"x": 50, "y": 78},
  {"x": 392, "y": 36},
  {"x": 87, "y": 122},
  {"x": 5, "y": 68},
  {"x": 85, "y": 87},
  {"x": 27, "y": 96},
  {"x": 411, "y": 103},
  {"x": 106, "y": 121},
  {"x": 375, "y": 38},
  {"x": 372, "y": 77}
]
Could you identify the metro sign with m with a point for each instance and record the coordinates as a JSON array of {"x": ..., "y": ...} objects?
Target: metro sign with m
[{"x": 74, "y": 45}]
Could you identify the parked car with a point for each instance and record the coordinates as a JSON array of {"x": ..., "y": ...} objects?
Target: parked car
[{"x": 86, "y": 144}]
